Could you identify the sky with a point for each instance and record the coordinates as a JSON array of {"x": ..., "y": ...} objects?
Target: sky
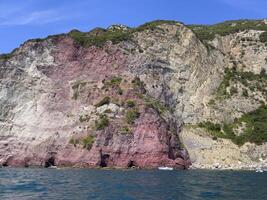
[{"x": 21, "y": 20}]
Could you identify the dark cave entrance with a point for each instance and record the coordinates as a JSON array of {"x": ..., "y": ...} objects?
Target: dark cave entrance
[
  {"x": 50, "y": 162},
  {"x": 131, "y": 164},
  {"x": 104, "y": 160}
]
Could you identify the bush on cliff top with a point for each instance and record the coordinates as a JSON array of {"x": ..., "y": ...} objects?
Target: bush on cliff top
[
  {"x": 208, "y": 32},
  {"x": 85, "y": 39}
]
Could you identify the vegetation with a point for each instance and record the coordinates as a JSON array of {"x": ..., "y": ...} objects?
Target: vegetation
[
  {"x": 105, "y": 100},
  {"x": 115, "y": 35},
  {"x": 102, "y": 122},
  {"x": 132, "y": 115},
  {"x": 130, "y": 104},
  {"x": 113, "y": 83},
  {"x": 5, "y": 56},
  {"x": 263, "y": 37},
  {"x": 208, "y": 32},
  {"x": 254, "y": 81},
  {"x": 86, "y": 39},
  {"x": 151, "y": 102},
  {"x": 152, "y": 25},
  {"x": 88, "y": 142},
  {"x": 125, "y": 130},
  {"x": 255, "y": 130},
  {"x": 138, "y": 85}
]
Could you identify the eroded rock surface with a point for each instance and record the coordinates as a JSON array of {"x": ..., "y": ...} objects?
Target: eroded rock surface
[{"x": 120, "y": 104}]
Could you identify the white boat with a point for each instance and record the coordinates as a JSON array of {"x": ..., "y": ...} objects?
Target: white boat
[
  {"x": 165, "y": 168},
  {"x": 259, "y": 170},
  {"x": 53, "y": 167}
]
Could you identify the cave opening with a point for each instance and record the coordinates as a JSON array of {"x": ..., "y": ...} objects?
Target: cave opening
[
  {"x": 50, "y": 162},
  {"x": 5, "y": 164},
  {"x": 104, "y": 160},
  {"x": 131, "y": 164}
]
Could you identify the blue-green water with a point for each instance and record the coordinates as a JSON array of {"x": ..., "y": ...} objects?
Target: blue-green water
[{"x": 20, "y": 184}]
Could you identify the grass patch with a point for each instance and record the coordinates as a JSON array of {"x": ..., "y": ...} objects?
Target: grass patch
[
  {"x": 130, "y": 104},
  {"x": 151, "y": 102},
  {"x": 125, "y": 130},
  {"x": 88, "y": 142},
  {"x": 132, "y": 115},
  {"x": 113, "y": 83},
  {"x": 102, "y": 122}
]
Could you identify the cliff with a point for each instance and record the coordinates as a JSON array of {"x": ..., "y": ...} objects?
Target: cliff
[{"x": 162, "y": 94}]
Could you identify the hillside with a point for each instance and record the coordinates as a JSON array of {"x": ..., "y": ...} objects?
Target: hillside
[{"x": 162, "y": 94}]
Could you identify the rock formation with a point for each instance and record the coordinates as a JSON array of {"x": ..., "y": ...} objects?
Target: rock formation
[{"x": 135, "y": 97}]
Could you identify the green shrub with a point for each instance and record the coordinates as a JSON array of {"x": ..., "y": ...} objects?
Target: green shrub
[
  {"x": 212, "y": 102},
  {"x": 130, "y": 104},
  {"x": 248, "y": 79},
  {"x": 104, "y": 101},
  {"x": 5, "y": 56},
  {"x": 114, "y": 83},
  {"x": 245, "y": 93},
  {"x": 210, "y": 126},
  {"x": 254, "y": 132},
  {"x": 138, "y": 85},
  {"x": 152, "y": 25},
  {"x": 150, "y": 102},
  {"x": 233, "y": 90},
  {"x": 263, "y": 37},
  {"x": 125, "y": 130},
  {"x": 102, "y": 122},
  {"x": 86, "y": 39},
  {"x": 132, "y": 115},
  {"x": 88, "y": 142}
]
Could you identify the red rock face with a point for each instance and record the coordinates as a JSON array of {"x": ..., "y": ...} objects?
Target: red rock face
[{"x": 80, "y": 78}]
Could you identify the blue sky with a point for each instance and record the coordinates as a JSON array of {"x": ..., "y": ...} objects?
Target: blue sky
[{"x": 21, "y": 20}]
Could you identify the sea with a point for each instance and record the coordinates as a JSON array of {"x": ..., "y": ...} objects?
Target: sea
[{"x": 72, "y": 184}]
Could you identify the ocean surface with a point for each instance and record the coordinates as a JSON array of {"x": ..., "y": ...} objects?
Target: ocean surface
[{"x": 72, "y": 184}]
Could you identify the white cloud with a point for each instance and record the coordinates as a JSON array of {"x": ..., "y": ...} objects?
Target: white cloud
[
  {"x": 36, "y": 17},
  {"x": 13, "y": 14}
]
